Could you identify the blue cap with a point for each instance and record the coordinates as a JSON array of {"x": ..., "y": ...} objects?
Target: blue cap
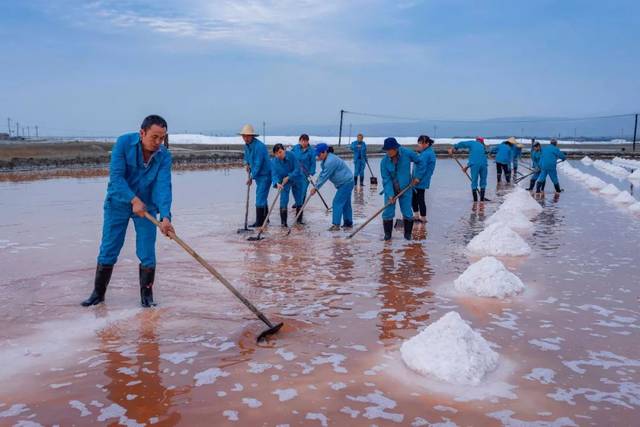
[
  {"x": 389, "y": 144},
  {"x": 321, "y": 148}
]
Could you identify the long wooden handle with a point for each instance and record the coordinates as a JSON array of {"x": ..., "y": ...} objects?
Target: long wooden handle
[
  {"x": 213, "y": 271},
  {"x": 300, "y": 211},
  {"x": 462, "y": 167},
  {"x": 318, "y": 191},
  {"x": 266, "y": 220},
  {"x": 246, "y": 207},
  {"x": 379, "y": 211},
  {"x": 370, "y": 171}
]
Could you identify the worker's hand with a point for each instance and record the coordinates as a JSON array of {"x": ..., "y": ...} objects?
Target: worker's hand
[
  {"x": 312, "y": 191},
  {"x": 465, "y": 168},
  {"x": 249, "y": 182},
  {"x": 138, "y": 207},
  {"x": 247, "y": 168},
  {"x": 415, "y": 181},
  {"x": 450, "y": 151},
  {"x": 392, "y": 199},
  {"x": 166, "y": 227},
  {"x": 279, "y": 186},
  {"x": 285, "y": 180}
]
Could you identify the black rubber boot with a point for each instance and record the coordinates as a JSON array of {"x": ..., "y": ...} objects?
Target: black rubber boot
[
  {"x": 355, "y": 181},
  {"x": 300, "y": 221},
  {"x": 532, "y": 183},
  {"x": 362, "y": 181},
  {"x": 259, "y": 218},
  {"x": 482, "y": 199},
  {"x": 387, "y": 224},
  {"x": 103, "y": 275},
  {"x": 283, "y": 217},
  {"x": 408, "y": 229},
  {"x": 507, "y": 177},
  {"x": 475, "y": 195},
  {"x": 347, "y": 224},
  {"x": 538, "y": 187},
  {"x": 147, "y": 275},
  {"x": 557, "y": 187}
]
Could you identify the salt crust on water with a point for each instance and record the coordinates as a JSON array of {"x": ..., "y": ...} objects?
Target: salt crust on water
[
  {"x": 498, "y": 240},
  {"x": 489, "y": 278},
  {"x": 586, "y": 160},
  {"x": 451, "y": 351},
  {"x": 513, "y": 219},
  {"x": 610, "y": 190},
  {"x": 624, "y": 197}
]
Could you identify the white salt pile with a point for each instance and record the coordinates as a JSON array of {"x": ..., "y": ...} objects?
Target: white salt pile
[
  {"x": 635, "y": 207},
  {"x": 586, "y": 160},
  {"x": 610, "y": 190},
  {"x": 635, "y": 176},
  {"x": 498, "y": 240},
  {"x": 489, "y": 278},
  {"x": 609, "y": 169},
  {"x": 624, "y": 198},
  {"x": 595, "y": 183},
  {"x": 451, "y": 351},
  {"x": 512, "y": 219},
  {"x": 520, "y": 200}
]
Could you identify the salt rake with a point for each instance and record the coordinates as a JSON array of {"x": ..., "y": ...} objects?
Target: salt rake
[
  {"x": 246, "y": 209},
  {"x": 467, "y": 173},
  {"x": 266, "y": 220},
  {"x": 272, "y": 329},
  {"x": 379, "y": 211},
  {"x": 300, "y": 212},
  {"x": 373, "y": 180}
]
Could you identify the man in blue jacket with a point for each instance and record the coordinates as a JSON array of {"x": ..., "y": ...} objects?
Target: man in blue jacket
[
  {"x": 306, "y": 156},
  {"x": 395, "y": 169},
  {"x": 503, "y": 160},
  {"x": 477, "y": 163},
  {"x": 285, "y": 175},
  {"x": 334, "y": 169},
  {"x": 428, "y": 159},
  {"x": 139, "y": 182},
  {"x": 256, "y": 159},
  {"x": 516, "y": 153},
  {"x": 548, "y": 162},
  {"x": 359, "y": 149},
  {"x": 535, "y": 165}
]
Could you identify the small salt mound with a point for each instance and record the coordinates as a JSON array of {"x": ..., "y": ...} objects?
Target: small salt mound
[
  {"x": 635, "y": 175},
  {"x": 521, "y": 201},
  {"x": 635, "y": 207},
  {"x": 451, "y": 351},
  {"x": 513, "y": 219},
  {"x": 489, "y": 278},
  {"x": 498, "y": 240},
  {"x": 610, "y": 190},
  {"x": 624, "y": 197},
  {"x": 586, "y": 160},
  {"x": 595, "y": 183}
]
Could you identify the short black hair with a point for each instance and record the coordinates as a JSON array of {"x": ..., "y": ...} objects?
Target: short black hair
[
  {"x": 424, "y": 139},
  {"x": 330, "y": 149},
  {"x": 153, "y": 120},
  {"x": 303, "y": 137},
  {"x": 277, "y": 148}
]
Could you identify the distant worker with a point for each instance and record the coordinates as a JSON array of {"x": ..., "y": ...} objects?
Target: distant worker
[
  {"x": 502, "y": 154},
  {"x": 428, "y": 159},
  {"x": 286, "y": 176},
  {"x": 395, "y": 169},
  {"x": 516, "y": 153},
  {"x": 535, "y": 165},
  {"x": 334, "y": 169},
  {"x": 139, "y": 182},
  {"x": 256, "y": 159},
  {"x": 306, "y": 156},
  {"x": 548, "y": 162},
  {"x": 359, "y": 148},
  {"x": 477, "y": 162}
]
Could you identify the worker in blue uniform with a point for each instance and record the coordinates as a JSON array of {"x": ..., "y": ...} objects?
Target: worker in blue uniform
[
  {"x": 139, "y": 182},
  {"x": 535, "y": 165},
  {"x": 502, "y": 154},
  {"x": 516, "y": 153},
  {"x": 428, "y": 159},
  {"x": 256, "y": 160},
  {"x": 306, "y": 156},
  {"x": 548, "y": 165},
  {"x": 477, "y": 163},
  {"x": 395, "y": 170},
  {"x": 286, "y": 176},
  {"x": 359, "y": 148},
  {"x": 334, "y": 169}
]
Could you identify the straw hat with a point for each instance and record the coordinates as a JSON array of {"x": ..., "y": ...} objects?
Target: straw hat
[
  {"x": 248, "y": 130},
  {"x": 512, "y": 141}
]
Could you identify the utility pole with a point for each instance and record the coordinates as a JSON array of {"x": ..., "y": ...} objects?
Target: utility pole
[
  {"x": 17, "y": 129},
  {"x": 36, "y": 131},
  {"x": 340, "y": 131},
  {"x": 635, "y": 132},
  {"x": 28, "y": 131},
  {"x": 9, "y": 125}
]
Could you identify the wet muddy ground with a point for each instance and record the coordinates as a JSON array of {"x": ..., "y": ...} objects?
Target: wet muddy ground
[{"x": 568, "y": 346}]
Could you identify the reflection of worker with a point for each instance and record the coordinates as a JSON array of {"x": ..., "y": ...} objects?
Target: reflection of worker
[
  {"x": 428, "y": 158},
  {"x": 139, "y": 182},
  {"x": 359, "y": 149},
  {"x": 286, "y": 176},
  {"x": 334, "y": 169},
  {"x": 399, "y": 279},
  {"x": 256, "y": 160},
  {"x": 136, "y": 383},
  {"x": 477, "y": 163}
]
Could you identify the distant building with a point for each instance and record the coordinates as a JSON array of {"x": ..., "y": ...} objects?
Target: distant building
[{"x": 4, "y": 135}]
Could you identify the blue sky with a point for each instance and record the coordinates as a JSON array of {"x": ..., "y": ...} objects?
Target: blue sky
[{"x": 98, "y": 67}]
